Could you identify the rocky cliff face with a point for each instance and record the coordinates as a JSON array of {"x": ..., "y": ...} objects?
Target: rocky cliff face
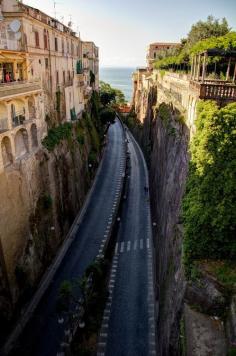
[
  {"x": 40, "y": 198},
  {"x": 190, "y": 317},
  {"x": 169, "y": 162},
  {"x": 165, "y": 142}
]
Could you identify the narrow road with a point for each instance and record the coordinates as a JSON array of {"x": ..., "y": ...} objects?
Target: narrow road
[
  {"x": 128, "y": 322},
  {"x": 43, "y": 334}
]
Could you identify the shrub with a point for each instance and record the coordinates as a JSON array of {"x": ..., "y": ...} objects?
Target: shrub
[{"x": 56, "y": 135}]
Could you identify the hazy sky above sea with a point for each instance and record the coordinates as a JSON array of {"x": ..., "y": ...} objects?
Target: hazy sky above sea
[{"x": 123, "y": 28}]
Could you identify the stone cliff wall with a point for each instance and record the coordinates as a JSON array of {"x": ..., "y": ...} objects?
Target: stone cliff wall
[
  {"x": 168, "y": 170},
  {"x": 191, "y": 315},
  {"x": 40, "y": 197}
]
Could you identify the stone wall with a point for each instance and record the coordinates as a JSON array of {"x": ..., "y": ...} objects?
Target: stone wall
[{"x": 40, "y": 197}]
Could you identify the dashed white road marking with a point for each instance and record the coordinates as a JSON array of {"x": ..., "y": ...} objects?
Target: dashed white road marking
[
  {"x": 122, "y": 247},
  {"x": 141, "y": 244},
  {"x": 135, "y": 245},
  {"x": 148, "y": 243},
  {"x": 128, "y": 246}
]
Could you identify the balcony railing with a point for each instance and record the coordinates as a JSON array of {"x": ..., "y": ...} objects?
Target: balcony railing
[
  {"x": 68, "y": 83},
  {"x": 3, "y": 124},
  {"x": 11, "y": 45},
  {"x": 18, "y": 88},
  {"x": 218, "y": 90}
]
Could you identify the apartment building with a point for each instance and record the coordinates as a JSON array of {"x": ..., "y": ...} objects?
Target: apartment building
[{"x": 41, "y": 77}]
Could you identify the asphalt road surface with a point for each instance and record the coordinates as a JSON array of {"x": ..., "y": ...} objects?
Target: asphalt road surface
[
  {"x": 43, "y": 334},
  {"x": 128, "y": 322}
]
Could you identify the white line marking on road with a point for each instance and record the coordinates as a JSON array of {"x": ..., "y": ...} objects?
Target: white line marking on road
[
  {"x": 141, "y": 244},
  {"x": 135, "y": 245},
  {"x": 104, "y": 326},
  {"x": 103, "y": 335},
  {"x": 128, "y": 246},
  {"x": 122, "y": 247},
  {"x": 148, "y": 243},
  {"x": 116, "y": 250},
  {"x": 101, "y": 344}
]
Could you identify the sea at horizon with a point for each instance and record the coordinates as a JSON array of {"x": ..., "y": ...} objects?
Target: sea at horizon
[{"x": 119, "y": 78}]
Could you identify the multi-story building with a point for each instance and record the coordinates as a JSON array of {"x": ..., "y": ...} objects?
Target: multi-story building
[
  {"x": 91, "y": 63},
  {"x": 158, "y": 48},
  {"x": 41, "y": 77}
]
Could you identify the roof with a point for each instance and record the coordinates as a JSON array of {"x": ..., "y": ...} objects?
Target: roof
[
  {"x": 125, "y": 109},
  {"x": 164, "y": 44}
]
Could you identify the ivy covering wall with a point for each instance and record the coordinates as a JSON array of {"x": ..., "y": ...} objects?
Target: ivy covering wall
[{"x": 209, "y": 205}]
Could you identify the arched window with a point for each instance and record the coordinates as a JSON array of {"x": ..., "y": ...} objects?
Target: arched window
[
  {"x": 21, "y": 143},
  {"x": 6, "y": 151}
]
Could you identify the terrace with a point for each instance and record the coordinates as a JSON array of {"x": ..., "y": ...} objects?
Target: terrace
[
  {"x": 18, "y": 88},
  {"x": 213, "y": 88}
]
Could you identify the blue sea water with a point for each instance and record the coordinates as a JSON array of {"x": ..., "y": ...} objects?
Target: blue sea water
[{"x": 119, "y": 78}]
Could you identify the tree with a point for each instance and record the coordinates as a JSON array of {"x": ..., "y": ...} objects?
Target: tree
[
  {"x": 108, "y": 115},
  {"x": 204, "y": 29},
  {"x": 106, "y": 98},
  {"x": 109, "y": 95}
]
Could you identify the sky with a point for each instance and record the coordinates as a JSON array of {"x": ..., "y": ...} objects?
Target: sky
[{"x": 123, "y": 28}]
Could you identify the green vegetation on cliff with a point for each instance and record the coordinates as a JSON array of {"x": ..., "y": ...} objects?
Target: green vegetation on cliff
[
  {"x": 203, "y": 36},
  {"x": 209, "y": 205}
]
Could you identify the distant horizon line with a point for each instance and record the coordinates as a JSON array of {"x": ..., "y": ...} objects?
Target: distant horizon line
[{"x": 119, "y": 66}]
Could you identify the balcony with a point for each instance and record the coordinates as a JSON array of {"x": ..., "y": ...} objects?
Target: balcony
[
  {"x": 214, "y": 90},
  {"x": 68, "y": 83},
  {"x": 14, "y": 89},
  {"x": 11, "y": 45}
]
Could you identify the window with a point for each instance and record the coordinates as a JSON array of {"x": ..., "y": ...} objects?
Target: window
[
  {"x": 46, "y": 63},
  {"x": 25, "y": 39},
  {"x": 45, "y": 37},
  {"x": 68, "y": 75},
  {"x": 62, "y": 46},
  {"x": 72, "y": 48},
  {"x": 155, "y": 55},
  {"x": 64, "y": 77},
  {"x": 57, "y": 77},
  {"x": 36, "y": 34},
  {"x": 68, "y": 47},
  {"x": 56, "y": 44}
]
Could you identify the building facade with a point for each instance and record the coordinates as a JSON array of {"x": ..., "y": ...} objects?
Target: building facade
[
  {"x": 42, "y": 80},
  {"x": 156, "y": 49}
]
